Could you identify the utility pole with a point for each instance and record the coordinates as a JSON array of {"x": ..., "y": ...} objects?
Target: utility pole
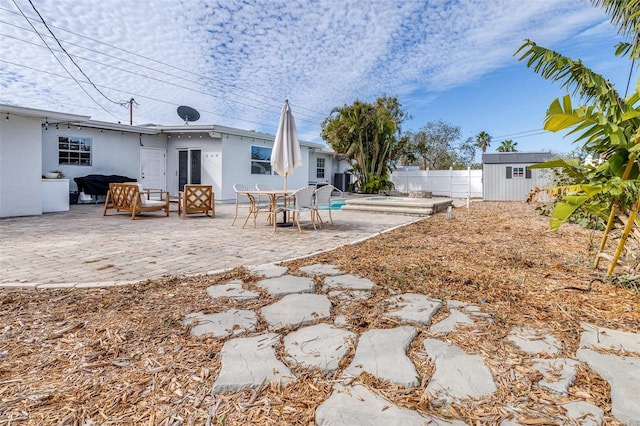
[{"x": 132, "y": 102}]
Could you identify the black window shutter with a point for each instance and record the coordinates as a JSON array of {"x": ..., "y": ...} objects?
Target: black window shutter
[
  {"x": 508, "y": 172},
  {"x": 527, "y": 173}
]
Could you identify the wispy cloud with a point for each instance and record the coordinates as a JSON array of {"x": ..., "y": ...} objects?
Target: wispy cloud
[{"x": 236, "y": 61}]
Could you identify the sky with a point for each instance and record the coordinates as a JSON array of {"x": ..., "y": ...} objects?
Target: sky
[{"x": 236, "y": 62}]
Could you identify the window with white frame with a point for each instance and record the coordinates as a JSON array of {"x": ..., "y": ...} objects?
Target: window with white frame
[
  {"x": 74, "y": 151},
  {"x": 320, "y": 168},
  {"x": 518, "y": 172},
  {"x": 260, "y": 160}
]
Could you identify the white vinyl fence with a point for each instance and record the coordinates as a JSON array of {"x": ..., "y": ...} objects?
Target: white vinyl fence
[{"x": 446, "y": 183}]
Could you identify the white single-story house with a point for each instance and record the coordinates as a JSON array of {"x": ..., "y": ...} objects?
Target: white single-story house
[
  {"x": 33, "y": 142},
  {"x": 507, "y": 176}
]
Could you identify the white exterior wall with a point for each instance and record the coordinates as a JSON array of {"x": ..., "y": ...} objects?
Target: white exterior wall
[
  {"x": 20, "y": 166},
  {"x": 497, "y": 187},
  {"x": 112, "y": 152},
  {"x": 333, "y": 164},
  {"x": 227, "y": 161},
  {"x": 329, "y": 167},
  {"x": 236, "y": 167},
  {"x": 211, "y": 151}
]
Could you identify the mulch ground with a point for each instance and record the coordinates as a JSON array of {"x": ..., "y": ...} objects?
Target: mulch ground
[{"x": 122, "y": 355}]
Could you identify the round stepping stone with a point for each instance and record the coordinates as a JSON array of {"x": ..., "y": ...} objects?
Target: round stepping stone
[
  {"x": 247, "y": 362},
  {"x": 623, "y": 375},
  {"x": 410, "y": 307},
  {"x": 321, "y": 269},
  {"x": 296, "y": 309},
  {"x": 318, "y": 346},
  {"x": 348, "y": 282},
  {"x": 451, "y": 322},
  {"x": 223, "y": 324},
  {"x": 534, "y": 342},
  {"x": 558, "y": 374},
  {"x": 269, "y": 270},
  {"x": 458, "y": 375},
  {"x": 382, "y": 353},
  {"x": 287, "y": 284},
  {"x": 232, "y": 289},
  {"x": 358, "y": 406}
]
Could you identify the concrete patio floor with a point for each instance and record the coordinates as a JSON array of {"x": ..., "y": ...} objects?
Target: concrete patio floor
[{"x": 81, "y": 248}]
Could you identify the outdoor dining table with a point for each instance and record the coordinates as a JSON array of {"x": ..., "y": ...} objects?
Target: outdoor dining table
[{"x": 273, "y": 195}]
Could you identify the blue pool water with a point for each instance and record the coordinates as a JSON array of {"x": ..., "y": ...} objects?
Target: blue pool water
[{"x": 335, "y": 205}]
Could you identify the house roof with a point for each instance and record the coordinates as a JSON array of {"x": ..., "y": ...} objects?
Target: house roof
[
  {"x": 52, "y": 117},
  {"x": 212, "y": 129},
  {"x": 116, "y": 126},
  {"x": 516, "y": 157}
]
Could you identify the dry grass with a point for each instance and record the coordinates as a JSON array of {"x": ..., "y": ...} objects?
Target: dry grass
[{"x": 122, "y": 356}]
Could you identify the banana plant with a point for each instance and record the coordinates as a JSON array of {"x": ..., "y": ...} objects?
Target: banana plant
[{"x": 605, "y": 124}]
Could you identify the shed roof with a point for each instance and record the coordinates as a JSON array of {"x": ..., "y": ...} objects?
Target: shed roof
[{"x": 516, "y": 157}]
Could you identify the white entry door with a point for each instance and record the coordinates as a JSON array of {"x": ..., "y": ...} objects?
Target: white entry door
[{"x": 153, "y": 167}]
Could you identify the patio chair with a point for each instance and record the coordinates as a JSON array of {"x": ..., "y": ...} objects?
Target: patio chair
[
  {"x": 264, "y": 187},
  {"x": 196, "y": 199},
  {"x": 243, "y": 192},
  {"x": 239, "y": 188},
  {"x": 302, "y": 202},
  {"x": 322, "y": 200},
  {"x": 131, "y": 197}
]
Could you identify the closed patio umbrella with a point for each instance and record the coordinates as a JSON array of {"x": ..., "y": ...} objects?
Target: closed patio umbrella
[{"x": 286, "y": 156}]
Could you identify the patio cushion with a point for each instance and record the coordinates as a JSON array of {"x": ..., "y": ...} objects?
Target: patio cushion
[{"x": 151, "y": 203}]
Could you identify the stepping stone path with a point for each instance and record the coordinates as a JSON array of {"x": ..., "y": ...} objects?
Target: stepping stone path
[
  {"x": 249, "y": 358},
  {"x": 356, "y": 405},
  {"x": 248, "y": 361},
  {"x": 233, "y": 289},
  {"x": 451, "y": 322},
  {"x": 412, "y": 308},
  {"x": 458, "y": 375},
  {"x": 534, "y": 342},
  {"x": 382, "y": 353},
  {"x": 558, "y": 374},
  {"x": 287, "y": 284},
  {"x": 296, "y": 309},
  {"x": 229, "y": 323},
  {"x": 319, "y": 346}
]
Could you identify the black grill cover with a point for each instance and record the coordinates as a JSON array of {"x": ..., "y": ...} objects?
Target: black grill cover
[{"x": 99, "y": 184}]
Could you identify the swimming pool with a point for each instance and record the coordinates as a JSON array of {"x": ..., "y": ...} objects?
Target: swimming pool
[{"x": 335, "y": 205}]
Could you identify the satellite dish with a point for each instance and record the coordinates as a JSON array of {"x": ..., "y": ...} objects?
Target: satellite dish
[{"x": 188, "y": 114}]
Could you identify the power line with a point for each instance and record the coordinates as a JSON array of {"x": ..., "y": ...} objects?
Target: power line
[
  {"x": 147, "y": 76},
  {"x": 522, "y": 134},
  {"x": 57, "y": 59},
  {"x": 164, "y": 64},
  {"x": 137, "y": 95},
  {"x": 60, "y": 62}
]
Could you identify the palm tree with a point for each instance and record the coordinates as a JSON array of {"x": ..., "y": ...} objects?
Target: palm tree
[
  {"x": 483, "y": 140},
  {"x": 507, "y": 146},
  {"x": 367, "y": 133}
]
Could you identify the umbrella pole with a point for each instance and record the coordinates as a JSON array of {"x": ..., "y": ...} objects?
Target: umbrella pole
[{"x": 284, "y": 213}]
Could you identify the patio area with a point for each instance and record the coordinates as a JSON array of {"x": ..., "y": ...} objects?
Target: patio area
[{"x": 84, "y": 249}]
